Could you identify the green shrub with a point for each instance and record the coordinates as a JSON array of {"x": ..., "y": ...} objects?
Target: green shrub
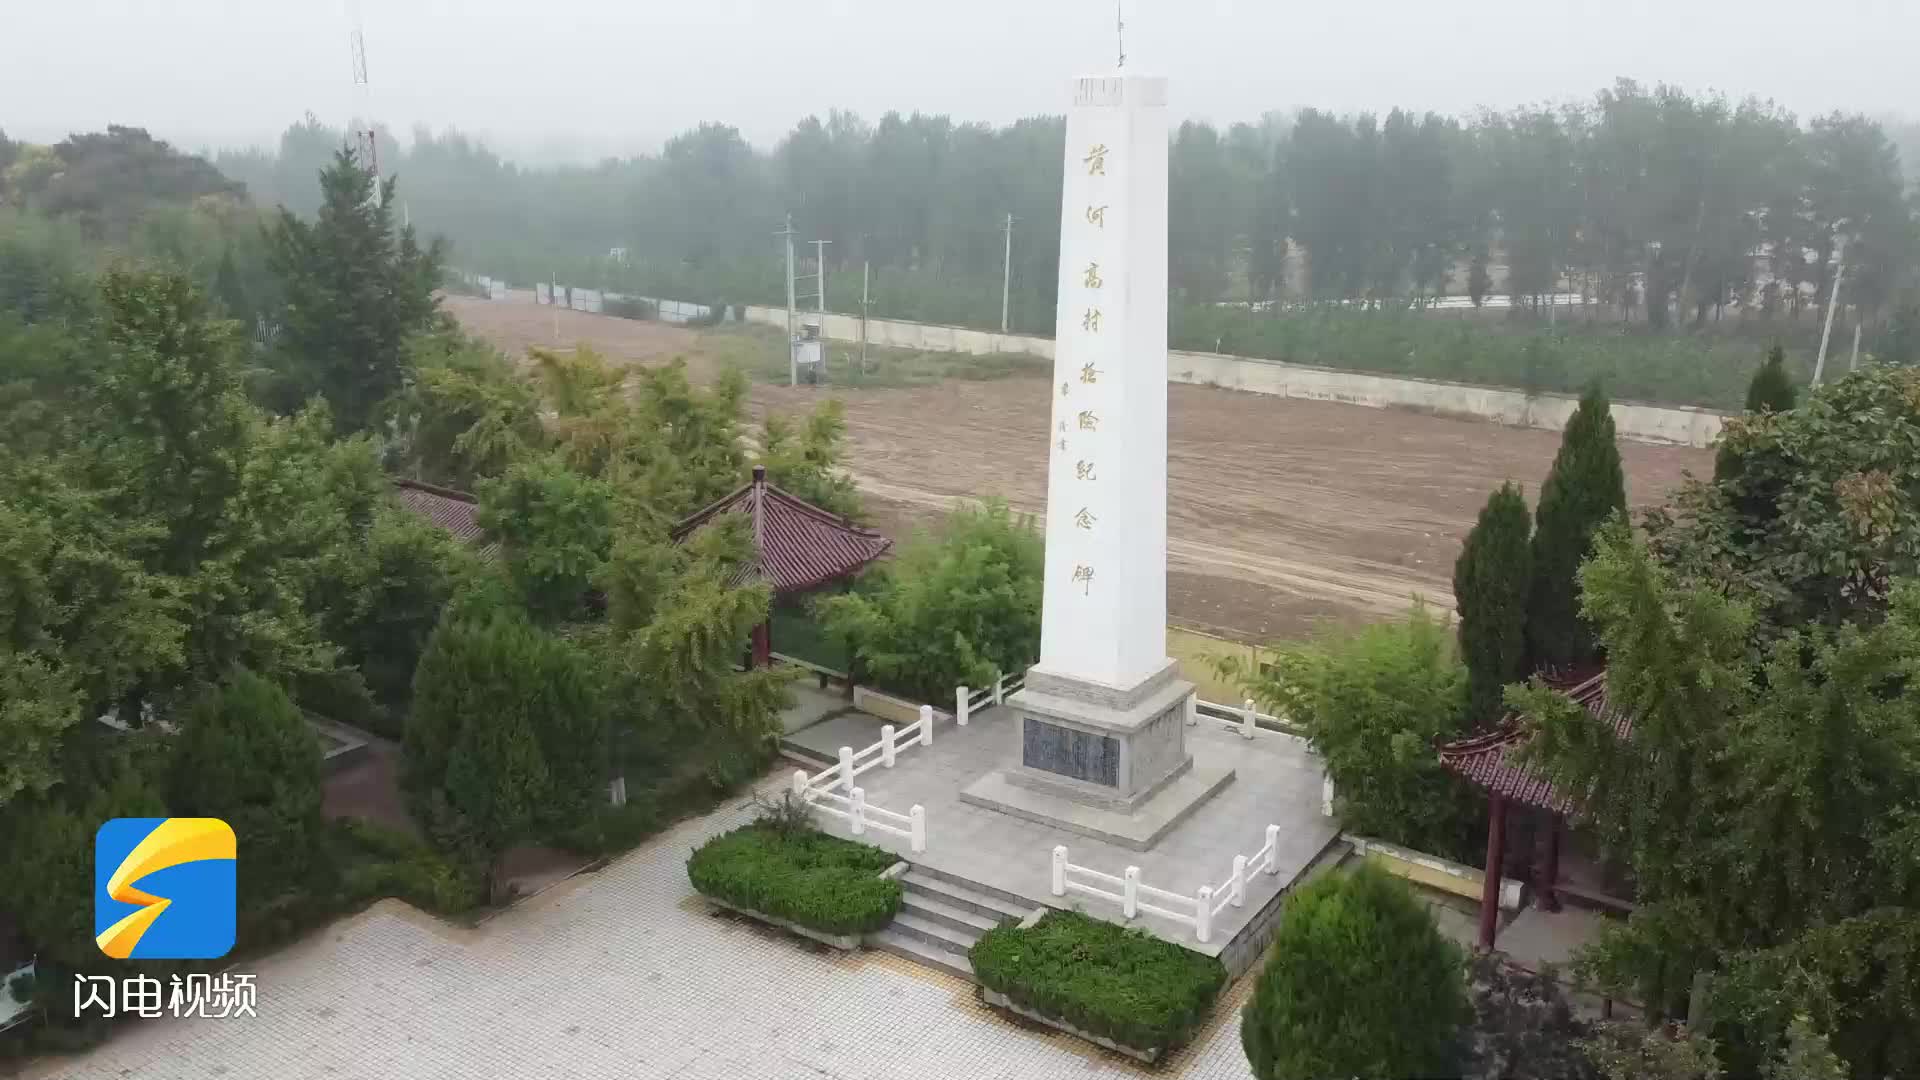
[
  {"x": 1376, "y": 701},
  {"x": 610, "y": 829},
  {"x": 818, "y": 881},
  {"x": 1123, "y": 984},
  {"x": 1360, "y": 983},
  {"x": 380, "y": 862}
]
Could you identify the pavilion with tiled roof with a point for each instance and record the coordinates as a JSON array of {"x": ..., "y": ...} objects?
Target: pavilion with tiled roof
[
  {"x": 797, "y": 546},
  {"x": 455, "y": 511},
  {"x": 1489, "y": 761}
]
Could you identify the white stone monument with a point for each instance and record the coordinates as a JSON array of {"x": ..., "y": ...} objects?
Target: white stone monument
[{"x": 1103, "y": 714}]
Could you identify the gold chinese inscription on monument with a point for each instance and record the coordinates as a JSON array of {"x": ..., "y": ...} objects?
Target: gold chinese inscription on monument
[
  {"x": 1083, "y": 470},
  {"x": 1083, "y": 574},
  {"x": 1091, "y": 320},
  {"x": 1089, "y": 374},
  {"x": 1097, "y": 216},
  {"x": 1092, "y": 278},
  {"x": 1084, "y": 519},
  {"x": 1096, "y": 160},
  {"x": 1088, "y": 421}
]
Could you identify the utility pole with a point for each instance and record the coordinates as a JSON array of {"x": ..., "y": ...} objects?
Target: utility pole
[
  {"x": 1833, "y": 301},
  {"x": 793, "y": 370},
  {"x": 820, "y": 273},
  {"x": 865, "y": 265},
  {"x": 1006, "y": 273}
]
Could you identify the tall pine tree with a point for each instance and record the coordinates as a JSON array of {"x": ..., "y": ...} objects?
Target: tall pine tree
[
  {"x": 1585, "y": 487},
  {"x": 354, "y": 289},
  {"x": 1490, "y": 583}
]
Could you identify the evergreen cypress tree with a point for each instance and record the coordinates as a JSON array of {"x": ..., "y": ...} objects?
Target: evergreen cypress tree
[
  {"x": 1585, "y": 487},
  {"x": 1490, "y": 583},
  {"x": 1772, "y": 388}
]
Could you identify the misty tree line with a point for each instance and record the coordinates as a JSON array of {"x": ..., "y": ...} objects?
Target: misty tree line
[{"x": 1669, "y": 206}]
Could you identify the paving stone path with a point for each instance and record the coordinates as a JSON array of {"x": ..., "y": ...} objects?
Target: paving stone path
[{"x": 623, "y": 973}]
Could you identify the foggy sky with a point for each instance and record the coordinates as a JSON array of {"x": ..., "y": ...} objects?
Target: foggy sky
[{"x": 580, "y": 78}]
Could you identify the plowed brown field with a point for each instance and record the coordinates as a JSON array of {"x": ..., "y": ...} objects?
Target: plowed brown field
[{"x": 1281, "y": 513}]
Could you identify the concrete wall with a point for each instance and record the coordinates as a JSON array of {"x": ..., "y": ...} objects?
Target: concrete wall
[
  {"x": 885, "y": 706},
  {"x": 1645, "y": 423},
  {"x": 1433, "y": 871},
  {"x": 1196, "y": 651}
]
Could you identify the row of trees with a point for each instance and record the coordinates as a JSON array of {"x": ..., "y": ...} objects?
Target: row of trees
[{"x": 1654, "y": 200}]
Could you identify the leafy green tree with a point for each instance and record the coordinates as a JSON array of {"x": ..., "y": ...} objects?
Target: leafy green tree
[
  {"x": 245, "y": 755},
  {"x": 677, "y": 625},
  {"x": 1490, "y": 581},
  {"x": 390, "y": 599},
  {"x": 1769, "y": 790},
  {"x": 46, "y": 843},
  {"x": 1360, "y": 983},
  {"x": 1631, "y": 1052},
  {"x": 806, "y": 463},
  {"x": 1375, "y": 702},
  {"x": 1820, "y": 518},
  {"x": 1585, "y": 487},
  {"x": 555, "y": 527},
  {"x": 466, "y": 415},
  {"x": 37, "y": 704},
  {"x": 951, "y": 608},
  {"x": 355, "y": 289},
  {"x": 1806, "y": 1055}
]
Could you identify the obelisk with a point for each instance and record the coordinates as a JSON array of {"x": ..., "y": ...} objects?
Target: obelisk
[{"x": 1102, "y": 715}]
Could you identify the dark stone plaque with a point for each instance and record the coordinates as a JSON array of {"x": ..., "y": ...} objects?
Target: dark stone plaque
[{"x": 1070, "y": 752}]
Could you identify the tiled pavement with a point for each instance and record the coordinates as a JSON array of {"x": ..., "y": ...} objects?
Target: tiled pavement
[{"x": 622, "y": 973}]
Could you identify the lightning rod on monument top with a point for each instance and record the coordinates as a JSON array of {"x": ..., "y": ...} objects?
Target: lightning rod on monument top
[{"x": 1120, "y": 31}]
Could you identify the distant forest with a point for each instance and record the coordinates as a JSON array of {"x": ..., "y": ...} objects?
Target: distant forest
[
  {"x": 1669, "y": 208},
  {"x": 1682, "y": 234}
]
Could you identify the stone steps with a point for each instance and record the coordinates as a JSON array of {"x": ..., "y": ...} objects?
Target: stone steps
[
  {"x": 994, "y": 903},
  {"x": 942, "y": 917},
  {"x": 909, "y": 948}
]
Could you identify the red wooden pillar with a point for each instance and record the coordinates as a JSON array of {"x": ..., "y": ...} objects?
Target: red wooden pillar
[
  {"x": 1546, "y": 865},
  {"x": 762, "y": 645},
  {"x": 1490, "y": 891}
]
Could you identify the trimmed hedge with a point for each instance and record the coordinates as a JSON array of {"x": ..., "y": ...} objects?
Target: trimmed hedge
[
  {"x": 817, "y": 881},
  {"x": 1126, "y": 985}
]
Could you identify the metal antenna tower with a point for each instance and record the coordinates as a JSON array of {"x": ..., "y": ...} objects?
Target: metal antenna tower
[
  {"x": 366, "y": 147},
  {"x": 1120, "y": 32}
]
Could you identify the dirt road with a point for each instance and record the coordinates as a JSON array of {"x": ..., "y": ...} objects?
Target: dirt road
[{"x": 1282, "y": 514}]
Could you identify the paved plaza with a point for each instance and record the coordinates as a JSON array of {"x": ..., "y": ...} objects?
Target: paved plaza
[
  {"x": 1278, "y": 781},
  {"x": 624, "y": 973}
]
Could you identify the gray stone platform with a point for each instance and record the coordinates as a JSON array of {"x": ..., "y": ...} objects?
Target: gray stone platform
[
  {"x": 1278, "y": 782},
  {"x": 1140, "y": 830}
]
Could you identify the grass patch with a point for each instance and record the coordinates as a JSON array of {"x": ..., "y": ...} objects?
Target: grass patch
[
  {"x": 760, "y": 351},
  {"x": 817, "y": 881},
  {"x": 1123, "y": 984}
]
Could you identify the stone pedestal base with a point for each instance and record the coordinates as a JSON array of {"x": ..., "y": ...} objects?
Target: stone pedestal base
[{"x": 1104, "y": 761}]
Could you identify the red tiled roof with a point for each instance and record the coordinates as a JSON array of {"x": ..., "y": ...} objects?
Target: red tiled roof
[
  {"x": 1484, "y": 759},
  {"x": 797, "y": 545},
  {"x": 455, "y": 511}
]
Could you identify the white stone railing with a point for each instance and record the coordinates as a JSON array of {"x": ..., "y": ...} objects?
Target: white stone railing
[
  {"x": 966, "y": 702},
  {"x": 817, "y": 790},
  {"x": 1197, "y": 910},
  {"x": 862, "y": 815},
  {"x": 1244, "y": 718}
]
